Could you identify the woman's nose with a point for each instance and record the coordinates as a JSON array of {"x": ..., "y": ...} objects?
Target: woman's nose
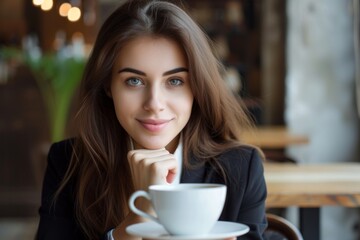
[{"x": 155, "y": 99}]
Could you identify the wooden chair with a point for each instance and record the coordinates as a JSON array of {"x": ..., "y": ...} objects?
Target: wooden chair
[{"x": 281, "y": 229}]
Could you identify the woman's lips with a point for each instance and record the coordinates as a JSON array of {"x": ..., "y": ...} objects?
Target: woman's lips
[{"x": 153, "y": 125}]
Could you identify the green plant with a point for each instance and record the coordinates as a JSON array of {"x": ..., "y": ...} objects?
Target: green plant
[{"x": 57, "y": 79}]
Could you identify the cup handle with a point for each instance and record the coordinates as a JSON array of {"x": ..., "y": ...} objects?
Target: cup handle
[{"x": 137, "y": 211}]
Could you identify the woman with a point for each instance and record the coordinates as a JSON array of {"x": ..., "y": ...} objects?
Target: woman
[{"x": 154, "y": 110}]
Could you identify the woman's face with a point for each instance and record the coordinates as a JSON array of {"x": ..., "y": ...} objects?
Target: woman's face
[{"x": 151, "y": 91}]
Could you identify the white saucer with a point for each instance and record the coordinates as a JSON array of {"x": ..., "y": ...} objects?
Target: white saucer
[{"x": 153, "y": 230}]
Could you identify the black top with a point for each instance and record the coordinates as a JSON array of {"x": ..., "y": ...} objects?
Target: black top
[{"x": 245, "y": 200}]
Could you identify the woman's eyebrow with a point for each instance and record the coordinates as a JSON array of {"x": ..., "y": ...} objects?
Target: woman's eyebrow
[
  {"x": 132, "y": 71},
  {"x": 175, "y": 70},
  {"x": 172, "y": 71}
]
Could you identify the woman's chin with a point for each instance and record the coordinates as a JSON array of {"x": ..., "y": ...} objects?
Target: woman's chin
[{"x": 155, "y": 143}]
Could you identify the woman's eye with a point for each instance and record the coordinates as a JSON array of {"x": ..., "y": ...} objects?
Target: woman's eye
[
  {"x": 175, "y": 82},
  {"x": 134, "y": 81}
]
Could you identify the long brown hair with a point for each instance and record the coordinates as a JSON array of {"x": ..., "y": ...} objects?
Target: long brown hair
[{"x": 99, "y": 164}]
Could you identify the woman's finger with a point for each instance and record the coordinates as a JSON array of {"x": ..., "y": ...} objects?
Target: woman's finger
[
  {"x": 139, "y": 154},
  {"x": 152, "y": 167}
]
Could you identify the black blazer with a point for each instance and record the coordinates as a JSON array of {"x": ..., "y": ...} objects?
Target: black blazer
[{"x": 245, "y": 200}]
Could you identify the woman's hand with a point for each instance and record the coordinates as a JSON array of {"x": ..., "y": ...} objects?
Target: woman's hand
[{"x": 150, "y": 167}]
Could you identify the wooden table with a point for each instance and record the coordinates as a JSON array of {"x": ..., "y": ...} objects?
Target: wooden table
[
  {"x": 273, "y": 137},
  {"x": 311, "y": 186}
]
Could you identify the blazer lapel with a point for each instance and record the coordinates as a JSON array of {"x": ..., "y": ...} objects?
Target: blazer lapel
[{"x": 194, "y": 175}]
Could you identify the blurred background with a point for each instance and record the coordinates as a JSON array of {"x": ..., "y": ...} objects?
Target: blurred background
[{"x": 295, "y": 63}]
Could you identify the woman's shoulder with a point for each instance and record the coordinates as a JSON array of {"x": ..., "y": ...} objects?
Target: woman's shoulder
[
  {"x": 242, "y": 153},
  {"x": 63, "y": 146},
  {"x": 62, "y": 149},
  {"x": 60, "y": 155},
  {"x": 242, "y": 159}
]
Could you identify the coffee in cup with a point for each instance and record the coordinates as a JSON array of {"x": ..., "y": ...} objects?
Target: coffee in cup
[{"x": 183, "y": 209}]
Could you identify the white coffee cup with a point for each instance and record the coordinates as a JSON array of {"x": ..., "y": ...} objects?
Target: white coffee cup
[{"x": 183, "y": 209}]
